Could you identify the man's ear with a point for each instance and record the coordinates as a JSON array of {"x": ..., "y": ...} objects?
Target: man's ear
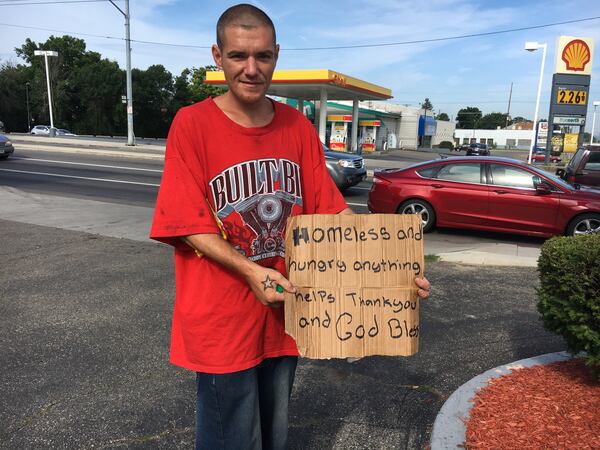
[
  {"x": 276, "y": 53},
  {"x": 217, "y": 56}
]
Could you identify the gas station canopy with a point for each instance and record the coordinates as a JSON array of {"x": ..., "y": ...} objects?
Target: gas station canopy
[
  {"x": 321, "y": 85},
  {"x": 308, "y": 85}
]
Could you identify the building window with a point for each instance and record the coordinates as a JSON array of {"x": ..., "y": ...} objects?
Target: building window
[
  {"x": 465, "y": 140},
  {"x": 524, "y": 142},
  {"x": 482, "y": 140},
  {"x": 490, "y": 142},
  {"x": 510, "y": 143}
]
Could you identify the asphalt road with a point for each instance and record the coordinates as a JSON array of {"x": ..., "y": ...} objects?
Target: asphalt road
[
  {"x": 84, "y": 327},
  {"x": 105, "y": 178}
]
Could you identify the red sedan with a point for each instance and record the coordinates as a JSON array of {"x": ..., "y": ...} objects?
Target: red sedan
[
  {"x": 486, "y": 193},
  {"x": 539, "y": 155}
]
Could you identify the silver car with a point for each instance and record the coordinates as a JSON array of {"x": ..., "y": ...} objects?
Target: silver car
[{"x": 43, "y": 130}]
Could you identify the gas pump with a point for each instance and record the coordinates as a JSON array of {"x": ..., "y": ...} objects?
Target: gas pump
[
  {"x": 339, "y": 132},
  {"x": 368, "y": 133}
]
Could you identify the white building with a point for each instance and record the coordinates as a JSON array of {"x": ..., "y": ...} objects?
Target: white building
[
  {"x": 418, "y": 127},
  {"x": 501, "y": 138}
]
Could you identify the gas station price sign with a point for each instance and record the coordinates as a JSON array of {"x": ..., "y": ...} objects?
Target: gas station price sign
[{"x": 571, "y": 97}]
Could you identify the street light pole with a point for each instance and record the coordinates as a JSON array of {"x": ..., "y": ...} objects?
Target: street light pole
[
  {"x": 130, "y": 135},
  {"x": 27, "y": 84},
  {"x": 45, "y": 54},
  {"x": 531, "y": 47},
  {"x": 596, "y": 104}
]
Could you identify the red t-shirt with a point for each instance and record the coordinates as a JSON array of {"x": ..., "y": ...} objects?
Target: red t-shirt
[{"x": 253, "y": 179}]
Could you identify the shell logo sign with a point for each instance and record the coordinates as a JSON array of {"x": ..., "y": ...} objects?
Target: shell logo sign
[{"x": 574, "y": 55}]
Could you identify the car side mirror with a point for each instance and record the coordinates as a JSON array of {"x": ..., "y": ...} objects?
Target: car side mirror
[{"x": 543, "y": 188}]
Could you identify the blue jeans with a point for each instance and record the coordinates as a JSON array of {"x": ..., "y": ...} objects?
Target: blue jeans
[{"x": 247, "y": 409}]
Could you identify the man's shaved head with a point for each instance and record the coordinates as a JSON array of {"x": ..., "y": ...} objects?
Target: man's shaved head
[{"x": 244, "y": 16}]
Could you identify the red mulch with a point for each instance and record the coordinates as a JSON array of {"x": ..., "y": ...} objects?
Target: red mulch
[{"x": 554, "y": 406}]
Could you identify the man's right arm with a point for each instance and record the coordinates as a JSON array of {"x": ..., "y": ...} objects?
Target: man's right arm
[{"x": 262, "y": 280}]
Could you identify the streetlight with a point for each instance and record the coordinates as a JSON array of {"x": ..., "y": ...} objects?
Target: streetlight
[
  {"x": 532, "y": 47},
  {"x": 596, "y": 104},
  {"x": 130, "y": 136},
  {"x": 27, "y": 100},
  {"x": 45, "y": 54}
]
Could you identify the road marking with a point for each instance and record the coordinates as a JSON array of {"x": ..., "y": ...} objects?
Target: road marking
[
  {"x": 88, "y": 164},
  {"x": 79, "y": 178},
  {"x": 111, "y": 181}
]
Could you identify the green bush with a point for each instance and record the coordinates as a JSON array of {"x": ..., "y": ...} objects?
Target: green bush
[
  {"x": 446, "y": 144},
  {"x": 569, "y": 293}
]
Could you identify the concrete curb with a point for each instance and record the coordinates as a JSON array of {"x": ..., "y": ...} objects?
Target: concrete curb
[
  {"x": 449, "y": 431},
  {"x": 488, "y": 259},
  {"x": 92, "y": 151}
]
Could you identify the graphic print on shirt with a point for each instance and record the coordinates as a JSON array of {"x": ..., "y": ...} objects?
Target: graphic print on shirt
[{"x": 262, "y": 192}]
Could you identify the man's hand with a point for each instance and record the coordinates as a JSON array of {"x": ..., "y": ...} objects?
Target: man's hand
[
  {"x": 264, "y": 281},
  {"x": 424, "y": 287}
]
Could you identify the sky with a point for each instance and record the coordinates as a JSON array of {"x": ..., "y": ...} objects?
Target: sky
[{"x": 453, "y": 74}]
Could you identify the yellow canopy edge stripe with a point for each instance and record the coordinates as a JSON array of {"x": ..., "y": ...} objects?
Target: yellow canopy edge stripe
[{"x": 312, "y": 76}]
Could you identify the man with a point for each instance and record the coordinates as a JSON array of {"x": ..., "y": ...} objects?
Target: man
[{"x": 236, "y": 167}]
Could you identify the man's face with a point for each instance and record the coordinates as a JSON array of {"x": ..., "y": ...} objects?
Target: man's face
[{"x": 248, "y": 60}]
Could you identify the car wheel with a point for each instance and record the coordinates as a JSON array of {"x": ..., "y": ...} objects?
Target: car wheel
[
  {"x": 584, "y": 224},
  {"x": 424, "y": 209}
]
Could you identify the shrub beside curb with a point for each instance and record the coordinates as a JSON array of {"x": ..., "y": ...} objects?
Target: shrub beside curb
[{"x": 569, "y": 293}]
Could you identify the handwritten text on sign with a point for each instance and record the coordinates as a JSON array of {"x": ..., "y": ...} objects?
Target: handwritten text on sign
[{"x": 354, "y": 276}]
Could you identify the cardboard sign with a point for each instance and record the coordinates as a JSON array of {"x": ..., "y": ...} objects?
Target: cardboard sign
[{"x": 354, "y": 276}]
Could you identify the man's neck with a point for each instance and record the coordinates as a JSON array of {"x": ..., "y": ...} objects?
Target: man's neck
[{"x": 255, "y": 115}]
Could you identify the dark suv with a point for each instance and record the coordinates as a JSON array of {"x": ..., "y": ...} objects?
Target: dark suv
[
  {"x": 346, "y": 169},
  {"x": 478, "y": 150},
  {"x": 584, "y": 167}
]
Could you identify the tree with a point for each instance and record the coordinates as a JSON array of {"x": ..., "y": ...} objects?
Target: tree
[
  {"x": 492, "y": 121},
  {"x": 13, "y": 103},
  {"x": 466, "y": 118},
  {"x": 519, "y": 119},
  {"x": 442, "y": 116},
  {"x": 153, "y": 90},
  {"x": 199, "y": 90},
  {"x": 427, "y": 104},
  {"x": 86, "y": 89}
]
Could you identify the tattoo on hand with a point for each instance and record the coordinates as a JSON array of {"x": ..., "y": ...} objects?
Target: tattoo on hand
[{"x": 267, "y": 283}]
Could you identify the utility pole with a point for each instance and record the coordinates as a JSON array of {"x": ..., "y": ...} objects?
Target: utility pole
[
  {"x": 509, "y": 99},
  {"x": 27, "y": 84},
  {"x": 130, "y": 135}
]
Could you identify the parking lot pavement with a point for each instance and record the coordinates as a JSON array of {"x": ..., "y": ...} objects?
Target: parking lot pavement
[{"x": 84, "y": 326}]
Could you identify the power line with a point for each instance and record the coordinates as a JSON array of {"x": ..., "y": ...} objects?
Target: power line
[
  {"x": 6, "y": 3},
  {"x": 387, "y": 44},
  {"x": 448, "y": 38}
]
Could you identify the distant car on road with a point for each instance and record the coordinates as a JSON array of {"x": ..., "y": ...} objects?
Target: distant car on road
[
  {"x": 478, "y": 150},
  {"x": 43, "y": 130},
  {"x": 6, "y": 147},
  {"x": 584, "y": 167},
  {"x": 539, "y": 155},
  {"x": 63, "y": 132},
  {"x": 486, "y": 193},
  {"x": 346, "y": 169}
]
